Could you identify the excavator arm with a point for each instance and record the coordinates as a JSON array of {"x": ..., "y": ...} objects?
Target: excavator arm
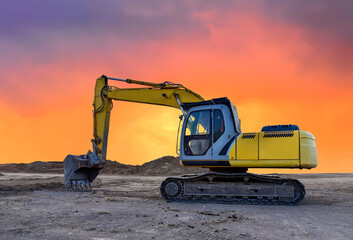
[{"x": 81, "y": 170}]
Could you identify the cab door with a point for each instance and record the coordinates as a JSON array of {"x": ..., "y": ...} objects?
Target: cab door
[
  {"x": 197, "y": 137},
  {"x": 223, "y": 133}
]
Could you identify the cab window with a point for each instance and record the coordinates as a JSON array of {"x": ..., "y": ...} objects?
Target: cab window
[
  {"x": 198, "y": 138},
  {"x": 198, "y": 123},
  {"x": 218, "y": 124}
]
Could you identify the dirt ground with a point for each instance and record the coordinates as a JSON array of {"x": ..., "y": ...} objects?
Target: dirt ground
[{"x": 35, "y": 206}]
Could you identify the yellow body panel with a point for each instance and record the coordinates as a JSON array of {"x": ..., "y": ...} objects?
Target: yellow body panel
[
  {"x": 274, "y": 145},
  {"x": 265, "y": 163},
  {"x": 248, "y": 146},
  {"x": 232, "y": 153},
  {"x": 286, "y": 149},
  {"x": 308, "y": 153}
]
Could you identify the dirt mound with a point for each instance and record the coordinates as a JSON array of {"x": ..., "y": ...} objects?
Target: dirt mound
[
  {"x": 113, "y": 167},
  {"x": 34, "y": 167},
  {"x": 167, "y": 166},
  {"x": 164, "y": 166}
]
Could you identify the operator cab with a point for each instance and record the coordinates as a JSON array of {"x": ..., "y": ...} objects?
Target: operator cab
[{"x": 208, "y": 131}]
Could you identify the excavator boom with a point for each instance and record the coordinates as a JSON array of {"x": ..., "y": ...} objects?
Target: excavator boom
[{"x": 81, "y": 170}]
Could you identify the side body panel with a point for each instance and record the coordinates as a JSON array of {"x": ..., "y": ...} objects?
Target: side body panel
[
  {"x": 247, "y": 147},
  {"x": 286, "y": 149},
  {"x": 282, "y": 145},
  {"x": 308, "y": 153}
]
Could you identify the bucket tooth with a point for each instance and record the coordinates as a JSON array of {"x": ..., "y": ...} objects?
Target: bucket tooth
[
  {"x": 87, "y": 186},
  {"x": 73, "y": 185}
]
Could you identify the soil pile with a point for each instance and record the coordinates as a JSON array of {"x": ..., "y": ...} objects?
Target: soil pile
[
  {"x": 113, "y": 167},
  {"x": 164, "y": 166},
  {"x": 168, "y": 166},
  {"x": 34, "y": 167}
]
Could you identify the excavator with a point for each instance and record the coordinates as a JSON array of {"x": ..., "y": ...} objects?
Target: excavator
[{"x": 209, "y": 137}]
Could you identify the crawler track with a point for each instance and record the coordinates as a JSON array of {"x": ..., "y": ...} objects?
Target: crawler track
[{"x": 233, "y": 188}]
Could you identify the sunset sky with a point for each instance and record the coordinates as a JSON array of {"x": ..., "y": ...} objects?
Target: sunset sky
[{"x": 279, "y": 62}]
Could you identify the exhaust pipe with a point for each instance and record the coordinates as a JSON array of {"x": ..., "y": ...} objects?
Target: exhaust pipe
[{"x": 81, "y": 170}]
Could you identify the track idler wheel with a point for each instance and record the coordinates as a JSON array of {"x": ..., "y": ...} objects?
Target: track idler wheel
[{"x": 171, "y": 189}]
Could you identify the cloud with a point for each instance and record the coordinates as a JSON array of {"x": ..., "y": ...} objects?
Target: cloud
[
  {"x": 128, "y": 20},
  {"x": 326, "y": 26},
  {"x": 55, "y": 47},
  {"x": 324, "y": 17}
]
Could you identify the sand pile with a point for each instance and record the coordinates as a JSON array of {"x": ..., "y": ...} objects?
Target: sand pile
[
  {"x": 34, "y": 167},
  {"x": 167, "y": 166},
  {"x": 164, "y": 166}
]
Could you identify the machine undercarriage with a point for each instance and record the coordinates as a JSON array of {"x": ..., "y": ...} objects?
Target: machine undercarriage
[{"x": 233, "y": 188}]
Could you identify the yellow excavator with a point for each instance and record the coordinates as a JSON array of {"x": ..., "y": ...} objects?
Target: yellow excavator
[{"x": 210, "y": 137}]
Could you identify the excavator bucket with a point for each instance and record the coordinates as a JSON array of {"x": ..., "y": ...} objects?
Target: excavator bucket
[{"x": 80, "y": 171}]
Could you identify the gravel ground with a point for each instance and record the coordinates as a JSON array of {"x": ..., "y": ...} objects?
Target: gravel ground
[{"x": 35, "y": 206}]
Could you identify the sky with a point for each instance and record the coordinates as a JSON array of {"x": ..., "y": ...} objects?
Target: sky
[{"x": 279, "y": 62}]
